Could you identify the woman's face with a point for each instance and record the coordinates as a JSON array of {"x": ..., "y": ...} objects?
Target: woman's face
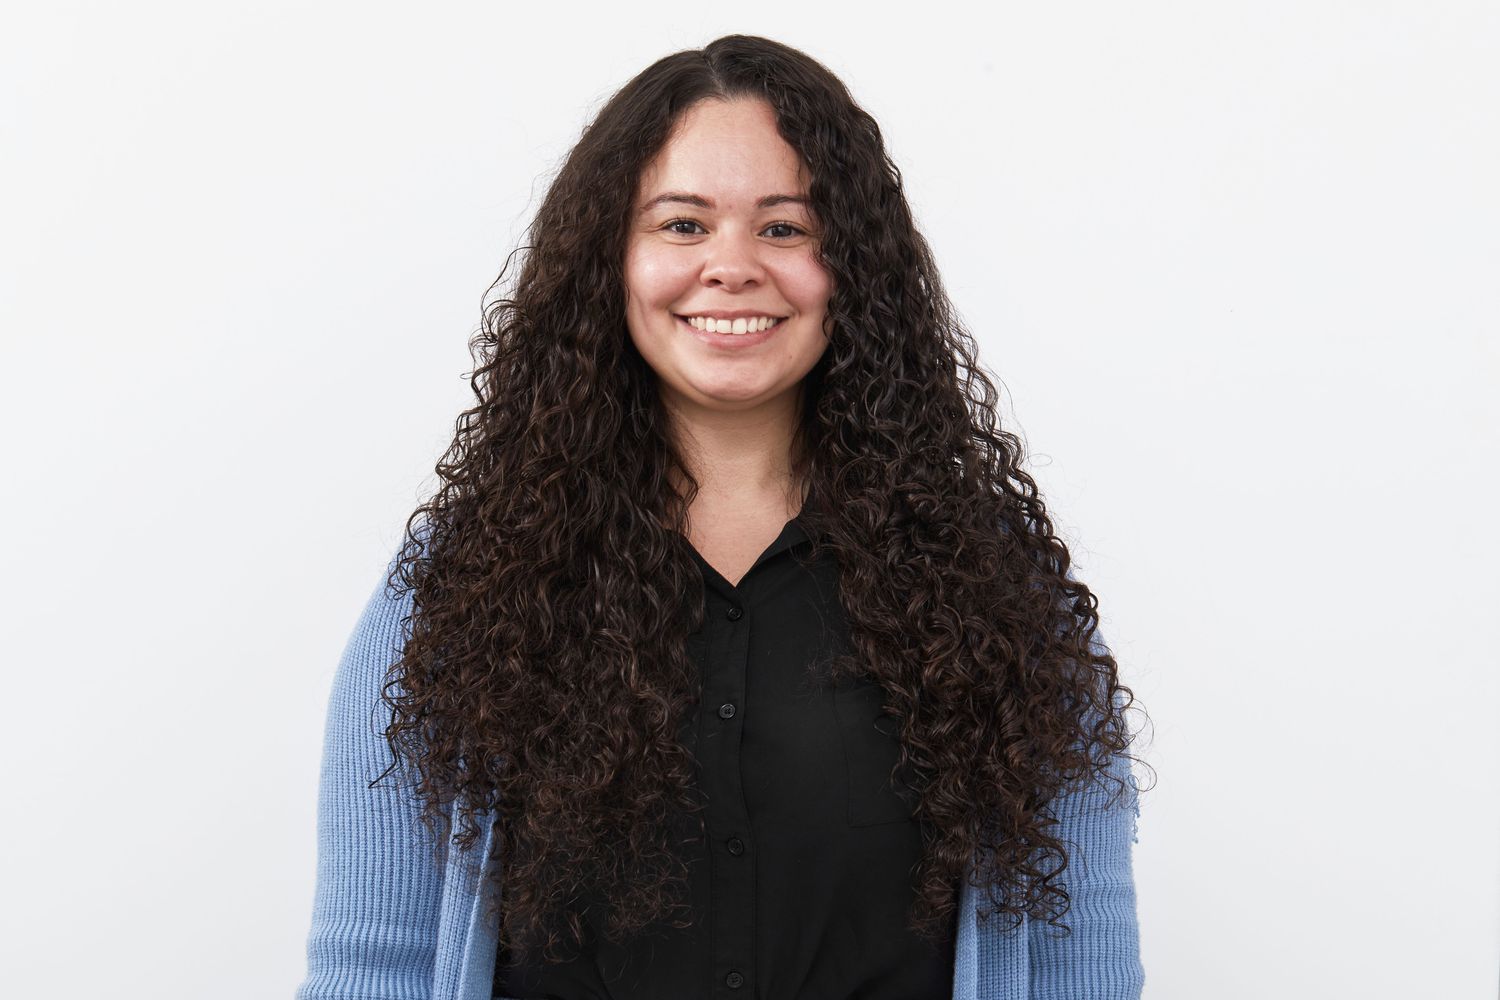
[{"x": 717, "y": 232}]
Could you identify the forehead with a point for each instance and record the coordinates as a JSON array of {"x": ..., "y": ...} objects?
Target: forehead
[{"x": 729, "y": 152}]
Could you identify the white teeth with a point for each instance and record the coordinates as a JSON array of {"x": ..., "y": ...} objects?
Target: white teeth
[{"x": 737, "y": 326}]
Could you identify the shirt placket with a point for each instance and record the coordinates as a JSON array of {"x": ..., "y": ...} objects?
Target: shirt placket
[{"x": 731, "y": 851}]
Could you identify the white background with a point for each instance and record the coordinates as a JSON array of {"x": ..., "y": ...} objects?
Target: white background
[{"x": 1235, "y": 265}]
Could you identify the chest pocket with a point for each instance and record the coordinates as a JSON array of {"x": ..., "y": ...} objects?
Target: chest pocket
[{"x": 871, "y": 749}]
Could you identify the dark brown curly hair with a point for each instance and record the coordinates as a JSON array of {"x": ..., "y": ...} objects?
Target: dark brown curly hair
[{"x": 545, "y": 671}]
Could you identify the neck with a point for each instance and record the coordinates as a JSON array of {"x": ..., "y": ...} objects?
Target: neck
[{"x": 741, "y": 457}]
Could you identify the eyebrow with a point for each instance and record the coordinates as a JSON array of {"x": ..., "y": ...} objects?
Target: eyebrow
[{"x": 698, "y": 201}]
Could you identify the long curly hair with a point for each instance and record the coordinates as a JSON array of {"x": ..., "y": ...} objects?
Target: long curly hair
[{"x": 545, "y": 672}]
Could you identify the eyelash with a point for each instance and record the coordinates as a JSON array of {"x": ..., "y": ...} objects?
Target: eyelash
[{"x": 674, "y": 222}]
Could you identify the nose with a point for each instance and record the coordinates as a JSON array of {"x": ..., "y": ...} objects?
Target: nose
[{"x": 731, "y": 260}]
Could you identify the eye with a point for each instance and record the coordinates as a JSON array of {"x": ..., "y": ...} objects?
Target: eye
[{"x": 671, "y": 226}]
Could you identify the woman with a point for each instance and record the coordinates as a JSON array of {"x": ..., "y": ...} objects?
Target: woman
[{"x": 736, "y": 655}]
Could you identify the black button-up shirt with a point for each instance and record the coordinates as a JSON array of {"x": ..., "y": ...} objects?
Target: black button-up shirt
[{"x": 803, "y": 887}]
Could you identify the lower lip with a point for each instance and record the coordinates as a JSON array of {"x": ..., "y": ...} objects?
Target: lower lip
[{"x": 732, "y": 341}]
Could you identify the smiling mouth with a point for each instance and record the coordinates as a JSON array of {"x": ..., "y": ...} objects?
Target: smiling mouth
[{"x": 747, "y": 333}]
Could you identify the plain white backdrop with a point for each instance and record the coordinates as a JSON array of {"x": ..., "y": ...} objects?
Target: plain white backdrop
[{"x": 1234, "y": 264}]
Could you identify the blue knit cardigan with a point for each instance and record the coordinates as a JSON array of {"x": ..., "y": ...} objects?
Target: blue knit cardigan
[{"x": 394, "y": 920}]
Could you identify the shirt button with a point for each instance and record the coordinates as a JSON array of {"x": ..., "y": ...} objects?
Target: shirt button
[
  {"x": 726, "y": 710},
  {"x": 736, "y": 846},
  {"x": 734, "y": 614},
  {"x": 734, "y": 980}
]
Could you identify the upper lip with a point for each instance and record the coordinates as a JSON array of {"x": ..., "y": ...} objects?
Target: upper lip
[{"x": 732, "y": 313}]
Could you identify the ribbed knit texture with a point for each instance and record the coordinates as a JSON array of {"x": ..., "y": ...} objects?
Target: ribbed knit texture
[{"x": 392, "y": 922}]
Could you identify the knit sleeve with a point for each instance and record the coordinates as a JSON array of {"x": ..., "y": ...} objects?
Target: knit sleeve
[
  {"x": 1101, "y": 958},
  {"x": 376, "y": 904}
]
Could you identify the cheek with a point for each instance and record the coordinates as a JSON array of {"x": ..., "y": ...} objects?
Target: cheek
[
  {"x": 655, "y": 280},
  {"x": 806, "y": 285}
]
